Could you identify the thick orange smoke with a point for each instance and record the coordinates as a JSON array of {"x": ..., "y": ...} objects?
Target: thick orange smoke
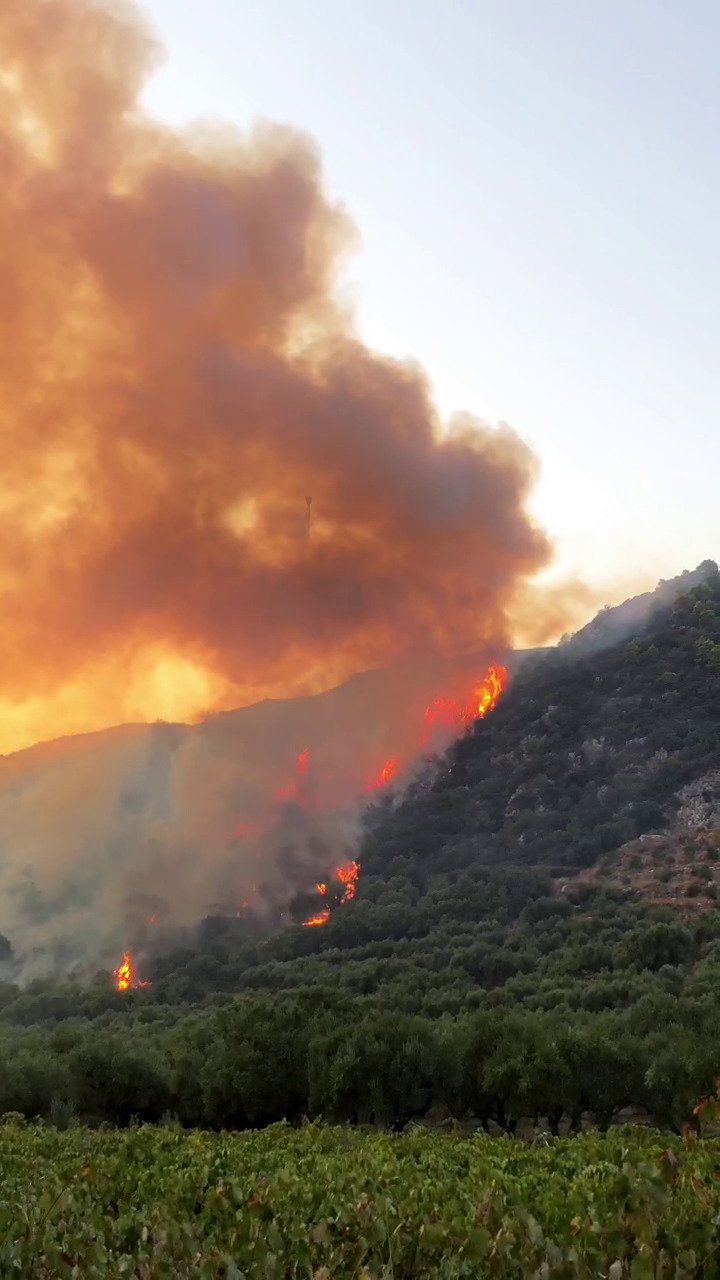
[{"x": 178, "y": 379}]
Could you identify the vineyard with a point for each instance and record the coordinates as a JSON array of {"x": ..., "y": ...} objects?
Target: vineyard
[{"x": 316, "y": 1202}]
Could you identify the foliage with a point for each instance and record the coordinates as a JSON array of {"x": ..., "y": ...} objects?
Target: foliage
[
  {"x": 316, "y": 1202},
  {"x": 256, "y": 1063}
]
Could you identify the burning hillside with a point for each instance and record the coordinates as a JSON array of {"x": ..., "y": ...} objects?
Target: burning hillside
[
  {"x": 320, "y": 783},
  {"x": 443, "y": 718},
  {"x": 325, "y": 812},
  {"x": 124, "y": 840}
]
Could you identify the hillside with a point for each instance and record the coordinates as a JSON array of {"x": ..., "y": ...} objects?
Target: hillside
[
  {"x": 490, "y": 880},
  {"x": 585, "y": 753},
  {"x": 103, "y": 832},
  {"x": 535, "y": 930}
]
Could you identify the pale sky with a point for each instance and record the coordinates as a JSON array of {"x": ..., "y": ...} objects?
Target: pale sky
[{"x": 537, "y": 188}]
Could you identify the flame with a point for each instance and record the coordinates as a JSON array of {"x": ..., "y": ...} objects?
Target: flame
[
  {"x": 454, "y": 715},
  {"x": 386, "y": 774},
  {"x": 486, "y": 693},
  {"x": 322, "y": 917},
  {"x": 124, "y": 975},
  {"x": 440, "y": 714},
  {"x": 346, "y": 875},
  {"x": 249, "y": 829},
  {"x": 295, "y": 791}
]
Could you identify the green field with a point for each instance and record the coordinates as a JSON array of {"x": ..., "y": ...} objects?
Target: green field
[{"x": 323, "y": 1202}]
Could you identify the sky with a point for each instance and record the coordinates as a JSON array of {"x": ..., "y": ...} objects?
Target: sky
[{"x": 537, "y": 195}]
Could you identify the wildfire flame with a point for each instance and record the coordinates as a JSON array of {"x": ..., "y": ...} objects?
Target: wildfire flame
[
  {"x": 249, "y": 829},
  {"x": 456, "y": 715},
  {"x": 451, "y": 715},
  {"x": 486, "y": 693},
  {"x": 296, "y": 790},
  {"x": 386, "y": 774},
  {"x": 346, "y": 875},
  {"x": 124, "y": 975},
  {"x": 322, "y": 917}
]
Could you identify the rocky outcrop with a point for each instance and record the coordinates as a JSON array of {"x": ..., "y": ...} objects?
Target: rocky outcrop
[
  {"x": 635, "y": 1116},
  {"x": 700, "y": 803}
]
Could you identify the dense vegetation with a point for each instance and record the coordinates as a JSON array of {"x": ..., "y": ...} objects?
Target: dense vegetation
[
  {"x": 259, "y": 1062},
  {"x": 478, "y": 966},
  {"x": 324, "y": 1203}
]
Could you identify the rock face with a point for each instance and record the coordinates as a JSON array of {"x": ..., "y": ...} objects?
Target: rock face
[
  {"x": 438, "y": 1116},
  {"x": 526, "y": 1129},
  {"x": 700, "y": 803},
  {"x": 634, "y": 1115},
  {"x": 538, "y": 1128}
]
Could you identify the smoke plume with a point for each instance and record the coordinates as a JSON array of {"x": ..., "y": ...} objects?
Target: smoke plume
[{"x": 178, "y": 379}]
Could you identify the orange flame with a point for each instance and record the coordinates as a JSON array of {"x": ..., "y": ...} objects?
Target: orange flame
[
  {"x": 452, "y": 714},
  {"x": 486, "y": 693},
  {"x": 322, "y": 917},
  {"x": 295, "y": 790},
  {"x": 386, "y": 774},
  {"x": 124, "y": 975},
  {"x": 347, "y": 875},
  {"x": 249, "y": 829}
]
